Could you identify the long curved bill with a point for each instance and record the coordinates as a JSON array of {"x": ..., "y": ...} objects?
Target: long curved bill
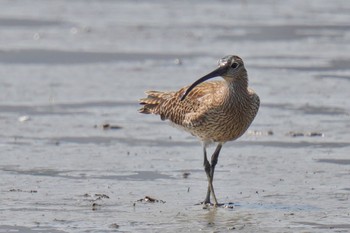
[{"x": 218, "y": 72}]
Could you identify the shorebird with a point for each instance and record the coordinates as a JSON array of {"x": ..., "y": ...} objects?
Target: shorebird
[{"x": 213, "y": 111}]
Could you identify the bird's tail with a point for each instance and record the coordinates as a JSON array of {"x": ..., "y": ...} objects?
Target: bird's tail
[{"x": 152, "y": 101}]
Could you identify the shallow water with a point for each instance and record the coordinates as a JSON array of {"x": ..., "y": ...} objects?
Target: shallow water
[{"x": 68, "y": 67}]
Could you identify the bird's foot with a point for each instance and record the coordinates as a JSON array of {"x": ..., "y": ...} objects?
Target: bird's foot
[
  {"x": 203, "y": 203},
  {"x": 209, "y": 204},
  {"x": 218, "y": 204}
]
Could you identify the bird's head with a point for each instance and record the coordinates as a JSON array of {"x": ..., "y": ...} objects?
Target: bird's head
[{"x": 230, "y": 67}]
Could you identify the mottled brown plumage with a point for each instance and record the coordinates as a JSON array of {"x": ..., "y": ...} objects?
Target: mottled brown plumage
[{"x": 214, "y": 111}]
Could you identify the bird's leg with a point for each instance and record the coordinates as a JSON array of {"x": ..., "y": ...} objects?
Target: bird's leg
[
  {"x": 207, "y": 169},
  {"x": 214, "y": 161}
]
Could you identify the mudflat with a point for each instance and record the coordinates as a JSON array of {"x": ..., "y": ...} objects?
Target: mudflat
[{"x": 76, "y": 156}]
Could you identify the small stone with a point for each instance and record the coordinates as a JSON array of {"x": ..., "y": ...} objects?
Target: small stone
[
  {"x": 95, "y": 206},
  {"x": 109, "y": 126},
  {"x": 185, "y": 175},
  {"x": 114, "y": 226},
  {"x": 150, "y": 200},
  {"x": 36, "y": 36},
  {"x": 73, "y": 30},
  {"x": 23, "y": 118},
  {"x": 178, "y": 61},
  {"x": 101, "y": 195}
]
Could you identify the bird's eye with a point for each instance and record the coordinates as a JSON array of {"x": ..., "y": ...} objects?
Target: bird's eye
[{"x": 234, "y": 65}]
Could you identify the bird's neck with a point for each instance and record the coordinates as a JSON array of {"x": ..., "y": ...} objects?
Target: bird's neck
[
  {"x": 236, "y": 90},
  {"x": 238, "y": 84}
]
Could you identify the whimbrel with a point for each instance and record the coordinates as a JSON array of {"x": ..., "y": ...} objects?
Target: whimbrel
[{"x": 214, "y": 111}]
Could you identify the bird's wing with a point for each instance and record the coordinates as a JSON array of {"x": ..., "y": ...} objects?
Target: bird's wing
[{"x": 190, "y": 111}]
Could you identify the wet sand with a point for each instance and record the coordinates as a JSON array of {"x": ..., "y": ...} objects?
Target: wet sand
[{"x": 76, "y": 156}]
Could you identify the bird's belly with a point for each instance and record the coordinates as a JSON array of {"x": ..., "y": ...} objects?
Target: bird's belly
[{"x": 220, "y": 130}]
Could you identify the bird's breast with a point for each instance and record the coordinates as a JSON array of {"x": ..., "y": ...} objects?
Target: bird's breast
[{"x": 227, "y": 121}]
